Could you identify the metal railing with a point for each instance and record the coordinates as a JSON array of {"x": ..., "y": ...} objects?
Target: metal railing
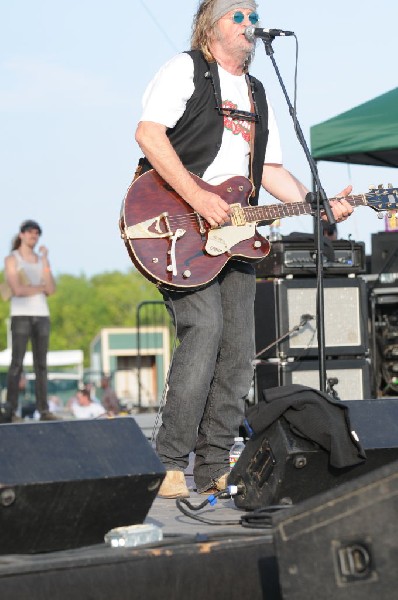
[{"x": 154, "y": 313}]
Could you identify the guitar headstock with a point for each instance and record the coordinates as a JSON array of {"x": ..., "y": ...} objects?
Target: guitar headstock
[{"x": 380, "y": 198}]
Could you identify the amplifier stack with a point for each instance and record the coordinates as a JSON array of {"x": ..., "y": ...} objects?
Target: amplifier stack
[
  {"x": 297, "y": 257},
  {"x": 285, "y": 313},
  {"x": 383, "y": 299}
]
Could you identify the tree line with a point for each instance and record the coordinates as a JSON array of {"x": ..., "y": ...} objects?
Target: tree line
[{"x": 83, "y": 305}]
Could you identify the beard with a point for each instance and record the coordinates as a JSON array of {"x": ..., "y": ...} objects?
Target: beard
[{"x": 237, "y": 46}]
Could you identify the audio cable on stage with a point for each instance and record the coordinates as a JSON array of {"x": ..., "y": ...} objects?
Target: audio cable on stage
[
  {"x": 211, "y": 500},
  {"x": 262, "y": 517},
  {"x": 257, "y": 519}
]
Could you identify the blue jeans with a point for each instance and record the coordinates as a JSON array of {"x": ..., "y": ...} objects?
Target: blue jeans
[
  {"x": 211, "y": 373},
  {"x": 37, "y": 329}
]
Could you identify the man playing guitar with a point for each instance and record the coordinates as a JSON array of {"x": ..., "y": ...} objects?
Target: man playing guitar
[{"x": 204, "y": 114}]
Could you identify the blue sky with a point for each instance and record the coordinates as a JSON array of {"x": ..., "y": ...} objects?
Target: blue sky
[{"x": 72, "y": 74}]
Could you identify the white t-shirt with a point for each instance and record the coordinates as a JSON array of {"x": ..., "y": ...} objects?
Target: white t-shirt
[
  {"x": 165, "y": 100},
  {"x": 30, "y": 306},
  {"x": 91, "y": 411}
]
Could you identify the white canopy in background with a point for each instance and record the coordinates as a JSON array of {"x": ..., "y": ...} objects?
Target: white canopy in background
[{"x": 56, "y": 358}]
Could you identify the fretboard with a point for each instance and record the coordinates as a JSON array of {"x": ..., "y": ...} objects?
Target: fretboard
[{"x": 272, "y": 212}]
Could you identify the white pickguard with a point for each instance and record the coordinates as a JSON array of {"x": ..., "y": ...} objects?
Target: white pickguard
[
  {"x": 142, "y": 230},
  {"x": 224, "y": 238}
]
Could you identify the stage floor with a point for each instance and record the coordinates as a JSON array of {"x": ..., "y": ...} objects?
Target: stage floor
[{"x": 193, "y": 561}]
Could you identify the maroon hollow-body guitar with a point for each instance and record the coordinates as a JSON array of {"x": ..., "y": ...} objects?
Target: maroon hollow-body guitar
[{"x": 172, "y": 246}]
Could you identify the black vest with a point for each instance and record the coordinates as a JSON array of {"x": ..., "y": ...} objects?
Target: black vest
[{"x": 197, "y": 135}]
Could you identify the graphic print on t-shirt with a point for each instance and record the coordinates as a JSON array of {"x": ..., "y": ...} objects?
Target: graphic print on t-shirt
[{"x": 236, "y": 126}]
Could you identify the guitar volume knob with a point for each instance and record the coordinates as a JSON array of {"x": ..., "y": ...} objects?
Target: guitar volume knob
[
  {"x": 257, "y": 244},
  {"x": 187, "y": 274}
]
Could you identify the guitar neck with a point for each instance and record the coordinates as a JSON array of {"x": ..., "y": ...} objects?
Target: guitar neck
[{"x": 294, "y": 209}]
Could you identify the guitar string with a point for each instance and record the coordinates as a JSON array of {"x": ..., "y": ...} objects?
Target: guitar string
[
  {"x": 294, "y": 208},
  {"x": 271, "y": 211}
]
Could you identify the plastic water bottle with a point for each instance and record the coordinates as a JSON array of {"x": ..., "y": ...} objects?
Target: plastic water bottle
[
  {"x": 275, "y": 231},
  {"x": 235, "y": 452},
  {"x": 133, "y": 535}
]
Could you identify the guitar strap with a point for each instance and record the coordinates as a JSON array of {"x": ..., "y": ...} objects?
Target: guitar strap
[
  {"x": 253, "y": 109},
  {"x": 252, "y": 130},
  {"x": 139, "y": 169}
]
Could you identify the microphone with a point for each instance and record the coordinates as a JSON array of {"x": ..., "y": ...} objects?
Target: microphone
[
  {"x": 252, "y": 32},
  {"x": 305, "y": 318}
]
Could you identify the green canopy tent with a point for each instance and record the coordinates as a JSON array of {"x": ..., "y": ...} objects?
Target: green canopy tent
[{"x": 364, "y": 135}]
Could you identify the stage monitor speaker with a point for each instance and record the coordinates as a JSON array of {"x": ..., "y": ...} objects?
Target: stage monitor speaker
[
  {"x": 384, "y": 252},
  {"x": 343, "y": 544},
  {"x": 352, "y": 375},
  {"x": 279, "y": 467},
  {"x": 346, "y": 317},
  {"x": 64, "y": 484}
]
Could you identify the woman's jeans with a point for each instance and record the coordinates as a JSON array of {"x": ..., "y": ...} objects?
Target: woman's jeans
[
  {"x": 211, "y": 373},
  {"x": 37, "y": 329}
]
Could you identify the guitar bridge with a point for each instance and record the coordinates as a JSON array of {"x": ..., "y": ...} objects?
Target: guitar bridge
[
  {"x": 150, "y": 228},
  {"x": 238, "y": 216}
]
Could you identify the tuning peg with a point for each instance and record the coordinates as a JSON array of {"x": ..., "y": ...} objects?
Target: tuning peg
[
  {"x": 372, "y": 187},
  {"x": 390, "y": 186},
  {"x": 380, "y": 186}
]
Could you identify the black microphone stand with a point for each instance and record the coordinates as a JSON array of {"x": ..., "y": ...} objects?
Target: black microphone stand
[{"x": 319, "y": 201}]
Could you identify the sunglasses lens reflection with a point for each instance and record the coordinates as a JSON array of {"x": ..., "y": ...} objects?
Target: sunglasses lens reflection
[
  {"x": 239, "y": 17},
  {"x": 253, "y": 18}
]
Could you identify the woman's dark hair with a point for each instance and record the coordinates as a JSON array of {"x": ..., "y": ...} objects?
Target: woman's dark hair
[{"x": 16, "y": 242}]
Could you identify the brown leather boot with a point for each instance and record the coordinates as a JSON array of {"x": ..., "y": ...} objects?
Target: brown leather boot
[
  {"x": 219, "y": 485},
  {"x": 48, "y": 416},
  {"x": 174, "y": 486},
  {"x": 222, "y": 482}
]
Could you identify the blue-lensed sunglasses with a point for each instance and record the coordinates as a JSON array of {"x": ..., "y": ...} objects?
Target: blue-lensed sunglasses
[{"x": 239, "y": 17}]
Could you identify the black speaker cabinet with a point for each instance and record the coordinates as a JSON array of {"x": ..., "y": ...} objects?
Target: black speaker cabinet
[
  {"x": 384, "y": 252},
  {"x": 343, "y": 544},
  {"x": 346, "y": 317},
  {"x": 266, "y": 317},
  {"x": 384, "y": 339},
  {"x": 279, "y": 467},
  {"x": 65, "y": 484},
  {"x": 351, "y": 376}
]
